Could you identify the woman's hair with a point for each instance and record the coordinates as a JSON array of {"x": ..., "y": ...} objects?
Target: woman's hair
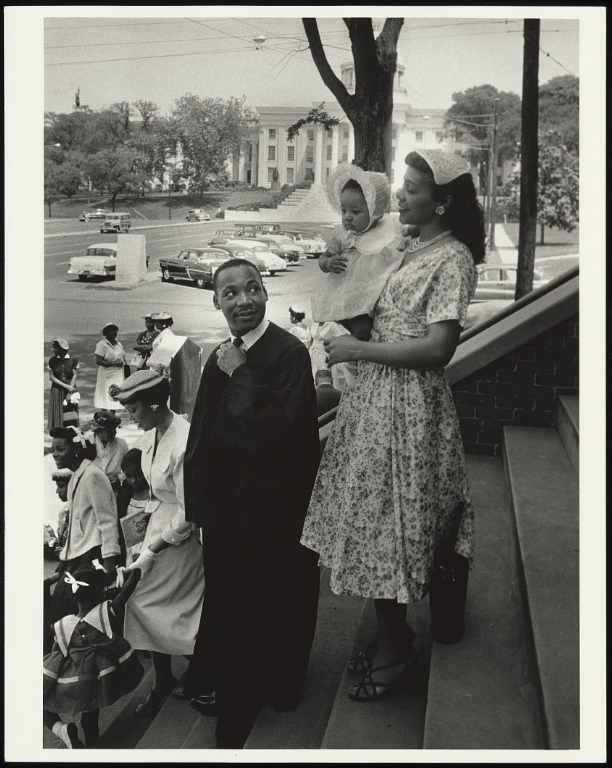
[
  {"x": 95, "y": 578},
  {"x": 465, "y": 216},
  {"x": 296, "y": 316},
  {"x": 132, "y": 460},
  {"x": 83, "y": 452},
  {"x": 156, "y": 395}
]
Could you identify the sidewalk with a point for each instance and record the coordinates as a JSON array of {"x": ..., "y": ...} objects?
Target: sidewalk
[{"x": 505, "y": 248}]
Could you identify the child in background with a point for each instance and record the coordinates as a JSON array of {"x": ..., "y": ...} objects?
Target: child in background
[
  {"x": 362, "y": 253},
  {"x": 133, "y": 497},
  {"x": 298, "y": 327},
  {"x": 91, "y": 665}
]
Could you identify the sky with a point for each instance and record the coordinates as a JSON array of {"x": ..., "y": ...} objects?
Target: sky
[{"x": 127, "y": 58}]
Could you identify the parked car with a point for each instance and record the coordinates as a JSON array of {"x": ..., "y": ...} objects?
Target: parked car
[
  {"x": 553, "y": 266},
  {"x": 240, "y": 252},
  {"x": 198, "y": 265},
  {"x": 274, "y": 263},
  {"x": 270, "y": 228},
  {"x": 282, "y": 247},
  {"x": 115, "y": 222},
  {"x": 248, "y": 230},
  {"x": 312, "y": 242},
  {"x": 99, "y": 213},
  {"x": 499, "y": 282},
  {"x": 226, "y": 232},
  {"x": 100, "y": 260},
  {"x": 197, "y": 214}
]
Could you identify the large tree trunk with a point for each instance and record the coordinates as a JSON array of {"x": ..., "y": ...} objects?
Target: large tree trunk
[
  {"x": 529, "y": 159},
  {"x": 370, "y": 108}
]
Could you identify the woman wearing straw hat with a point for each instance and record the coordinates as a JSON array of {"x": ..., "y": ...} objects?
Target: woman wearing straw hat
[
  {"x": 163, "y": 614},
  {"x": 110, "y": 359},
  {"x": 110, "y": 449},
  {"x": 63, "y": 397}
]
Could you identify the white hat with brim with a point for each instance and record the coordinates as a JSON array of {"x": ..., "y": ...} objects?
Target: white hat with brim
[
  {"x": 108, "y": 327},
  {"x": 137, "y": 382}
]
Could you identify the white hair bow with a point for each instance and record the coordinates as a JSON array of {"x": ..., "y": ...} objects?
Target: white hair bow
[
  {"x": 79, "y": 437},
  {"x": 74, "y": 583}
]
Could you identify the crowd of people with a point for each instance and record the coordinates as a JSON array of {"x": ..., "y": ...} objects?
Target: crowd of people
[{"x": 241, "y": 509}]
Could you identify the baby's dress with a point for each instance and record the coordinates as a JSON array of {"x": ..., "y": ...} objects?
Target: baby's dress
[
  {"x": 372, "y": 257},
  {"x": 90, "y": 666}
]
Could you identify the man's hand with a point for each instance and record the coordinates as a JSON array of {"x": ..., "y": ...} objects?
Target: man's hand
[{"x": 229, "y": 357}]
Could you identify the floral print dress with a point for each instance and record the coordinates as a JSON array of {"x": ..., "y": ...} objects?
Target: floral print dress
[{"x": 393, "y": 475}]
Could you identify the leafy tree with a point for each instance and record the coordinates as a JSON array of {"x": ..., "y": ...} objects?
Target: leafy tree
[
  {"x": 470, "y": 119},
  {"x": 62, "y": 174},
  {"x": 370, "y": 108},
  {"x": 117, "y": 170},
  {"x": 205, "y": 132},
  {"x": 559, "y": 109},
  {"x": 148, "y": 112},
  {"x": 558, "y": 186}
]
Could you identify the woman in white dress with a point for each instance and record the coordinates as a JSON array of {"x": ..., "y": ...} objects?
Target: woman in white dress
[
  {"x": 163, "y": 614},
  {"x": 110, "y": 359}
]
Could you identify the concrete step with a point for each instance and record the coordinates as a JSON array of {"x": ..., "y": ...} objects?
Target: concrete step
[
  {"x": 395, "y": 722},
  {"x": 480, "y": 694},
  {"x": 337, "y": 624},
  {"x": 202, "y": 733},
  {"x": 544, "y": 503},
  {"x": 567, "y": 422}
]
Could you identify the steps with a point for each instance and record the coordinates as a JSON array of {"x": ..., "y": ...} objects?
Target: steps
[
  {"x": 306, "y": 205},
  {"x": 512, "y": 683},
  {"x": 545, "y": 508}
]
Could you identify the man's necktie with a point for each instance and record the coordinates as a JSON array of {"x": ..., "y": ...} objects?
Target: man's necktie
[{"x": 237, "y": 341}]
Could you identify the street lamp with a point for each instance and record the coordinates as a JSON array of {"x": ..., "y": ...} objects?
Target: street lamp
[{"x": 259, "y": 41}]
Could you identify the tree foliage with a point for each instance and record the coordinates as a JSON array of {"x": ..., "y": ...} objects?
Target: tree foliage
[
  {"x": 370, "y": 108},
  {"x": 62, "y": 174},
  {"x": 558, "y": 186},
  {"x": 117, "y": 170},
  {"x": 316, "y": 116},
  {"x": 559, "y": 109},
  {"x": 470, "y": 119},
  {"x": 207, "y": 131}
]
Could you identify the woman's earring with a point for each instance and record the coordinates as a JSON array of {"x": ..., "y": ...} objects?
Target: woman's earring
[
  {"x": 154, "y": 407},
  {"x": 440, "y": 210}
]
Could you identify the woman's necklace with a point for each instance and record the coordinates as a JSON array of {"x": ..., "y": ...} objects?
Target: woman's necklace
[{"x": 417, "y": 244}]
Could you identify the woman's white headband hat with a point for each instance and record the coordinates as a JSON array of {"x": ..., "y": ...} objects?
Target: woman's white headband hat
[
  {"x": 445, "y": 166},
  {"x": 375, "y": 188},
  {"x": 62, "y": 343},
  {"x": 137, "y": 382}
]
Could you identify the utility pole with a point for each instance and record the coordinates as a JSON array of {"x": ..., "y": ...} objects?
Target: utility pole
[
  {"x": 529, "y": 158},
  {"x": 495, "y": 153}
]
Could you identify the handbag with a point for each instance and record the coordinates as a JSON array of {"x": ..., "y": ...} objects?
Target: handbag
[{"x": 448, "y": 589}]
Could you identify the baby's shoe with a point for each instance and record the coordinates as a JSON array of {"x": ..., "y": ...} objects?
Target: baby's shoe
[{"x": 69, "y": 734}]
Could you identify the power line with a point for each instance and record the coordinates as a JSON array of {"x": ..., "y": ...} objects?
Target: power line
[
  {"x": 548, "y": 55},
  {"x": 99, "y": 26}
]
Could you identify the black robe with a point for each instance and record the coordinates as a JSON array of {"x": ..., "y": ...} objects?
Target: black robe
[{"x": 250, "y": 465}]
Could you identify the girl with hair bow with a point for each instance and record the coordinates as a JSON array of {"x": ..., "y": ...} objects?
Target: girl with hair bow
[{"x": 91, "y": 665}]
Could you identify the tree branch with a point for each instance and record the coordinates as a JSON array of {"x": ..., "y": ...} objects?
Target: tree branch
[{"x": 331, "y": 80}]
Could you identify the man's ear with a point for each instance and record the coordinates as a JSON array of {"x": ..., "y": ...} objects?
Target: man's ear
[
  {"x": 216, "y": 301},
  {"x": 264, "y": 290}
]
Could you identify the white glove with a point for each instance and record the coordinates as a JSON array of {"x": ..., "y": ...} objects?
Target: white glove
[{"x": 144, "y": 561}]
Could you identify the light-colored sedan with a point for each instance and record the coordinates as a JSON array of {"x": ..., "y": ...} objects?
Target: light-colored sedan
[
  {"x": 274, "y": 263},
  {"x": 100, "y": 260},
  {"x": 282, "y": 246},
  {"x": 499, "y": 282},
  {"x": 312, "y": 242}
]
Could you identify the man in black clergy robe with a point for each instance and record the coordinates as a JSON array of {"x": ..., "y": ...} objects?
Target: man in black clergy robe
[{"x": 250, "y": 465}]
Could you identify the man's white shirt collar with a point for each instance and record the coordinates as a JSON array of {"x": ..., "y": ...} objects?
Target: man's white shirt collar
[{"x": 252, "y": 336}]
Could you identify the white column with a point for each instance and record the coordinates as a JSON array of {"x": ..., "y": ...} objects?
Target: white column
[
  {"x": 351, "y": 143},
  {"x": 262, "y": 172},
  {"x": 335, "y": 146},
  {"x": 318, "y": 154}
]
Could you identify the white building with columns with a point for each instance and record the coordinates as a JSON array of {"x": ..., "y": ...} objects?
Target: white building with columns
[{"x": 312, "y": 154}]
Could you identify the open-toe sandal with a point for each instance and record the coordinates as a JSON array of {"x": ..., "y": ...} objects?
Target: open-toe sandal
[
  {"x": 363, "y": 661},
  {"x": 369, "y": 689}
]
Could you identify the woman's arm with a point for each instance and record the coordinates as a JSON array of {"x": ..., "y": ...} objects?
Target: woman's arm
[
  {"x": 59, "y": 383},
  {"x": 434, "y": 350},
  {"x": 102, "y": 361}
]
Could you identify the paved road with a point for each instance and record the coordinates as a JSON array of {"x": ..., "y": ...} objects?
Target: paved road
[{"x": 77, "y": 311}]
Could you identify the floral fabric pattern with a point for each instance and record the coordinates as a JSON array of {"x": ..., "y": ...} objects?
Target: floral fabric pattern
[{"x": 392, "y": 476}]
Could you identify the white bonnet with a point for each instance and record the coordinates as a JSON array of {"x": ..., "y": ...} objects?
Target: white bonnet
[{"x": 375, "y": 187}]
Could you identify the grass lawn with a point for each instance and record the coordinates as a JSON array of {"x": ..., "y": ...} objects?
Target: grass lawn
[
  {"x": 556, "y": 242},
  {"x": 155, "y": 204}
]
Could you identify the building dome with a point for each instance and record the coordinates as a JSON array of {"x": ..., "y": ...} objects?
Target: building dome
[{"x": 400, "y": 94}]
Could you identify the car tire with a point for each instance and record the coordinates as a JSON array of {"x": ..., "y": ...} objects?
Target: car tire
[
  {"x": 83, "y": 278},
  {"x": 272, "y": 272},
  {"x": 166, "y": 276},
  {"x": 200, "y": 283}
]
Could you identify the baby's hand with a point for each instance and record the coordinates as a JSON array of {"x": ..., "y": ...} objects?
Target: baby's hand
[{"x": 337, "y": 263}]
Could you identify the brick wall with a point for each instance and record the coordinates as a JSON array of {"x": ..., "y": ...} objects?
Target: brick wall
[{"x": 520, "y": 388}]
